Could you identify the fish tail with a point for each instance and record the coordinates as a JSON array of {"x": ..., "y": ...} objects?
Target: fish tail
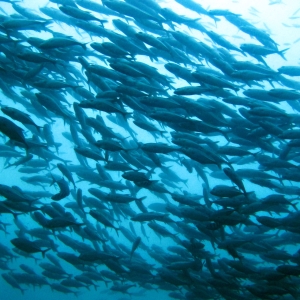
[
  {"x": 53, "y": 179},
  {"x": 38, "y": 128},
  {"x": 243, "y": 53},
  {"x": 26, "y": 149},
  {"x": 79, "y": 224},
  {"x": 294, "y": 206},
  {"x": 281, "y": 181},
  {"x": 117, "y": 230},
  {"x": 106, "y": 283},
  {"x": 23, "y": 290},
  {"x": 44, "y": 252},
  {"x": 36, "y": 260},
  {"x": 255, "y": 153},
  {"x": 151, "y": 171},
  {"x": 57, "y": 145},
  {"x": 16, "y": 215},
  {"x": 226, "y": 136},
  {"x": 281, "y": 53}
]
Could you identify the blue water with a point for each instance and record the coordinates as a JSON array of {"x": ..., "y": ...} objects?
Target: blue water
[{"x": 279, "y": 19}]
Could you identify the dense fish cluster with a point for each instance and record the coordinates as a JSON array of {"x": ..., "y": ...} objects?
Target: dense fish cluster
[{"x": 146, "y": 152}]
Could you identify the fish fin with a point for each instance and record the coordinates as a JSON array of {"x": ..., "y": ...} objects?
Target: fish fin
[
  {"x": 23, "y": 290},
  {"x": 281, "y": 53},
  {"x": 117, "y": 230},
  {"x": 44, "y": 251}
]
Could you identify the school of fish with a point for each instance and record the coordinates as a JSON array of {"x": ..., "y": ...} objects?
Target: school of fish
[{"x": 149, "y": 113}]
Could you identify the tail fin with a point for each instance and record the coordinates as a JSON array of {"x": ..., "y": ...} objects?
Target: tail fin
[
  {"x": 22, "y": 291},
  {"x": 16, "y": 215},
  {"x": 106, "y": 282},
  {"x": 44, "y": 251},
  {"x": 281, "y": 53},
  {"x": 117, "y": 229},
  {"x": 294, "y": 206}
]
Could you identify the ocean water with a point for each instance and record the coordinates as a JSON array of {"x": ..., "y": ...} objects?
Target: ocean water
[{"x": 279, "y": 19}]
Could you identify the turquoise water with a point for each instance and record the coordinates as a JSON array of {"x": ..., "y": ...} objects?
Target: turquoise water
[{"x": 278, "y": 20}]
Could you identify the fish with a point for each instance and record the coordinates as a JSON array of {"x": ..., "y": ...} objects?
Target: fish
[
  {"x": 151, "y": 146},
  {"x": 27, "y": 246},
  {"x": 77, "y": 13},
  {"x": 11, "y": 280},
  {"x": 135, "y": 246},
  {"x": 13, "y": 131},
  {"x": 19, "y": 116}
]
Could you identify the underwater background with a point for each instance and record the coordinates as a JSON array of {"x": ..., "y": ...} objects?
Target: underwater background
[{"x": 194, "y": 252}]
